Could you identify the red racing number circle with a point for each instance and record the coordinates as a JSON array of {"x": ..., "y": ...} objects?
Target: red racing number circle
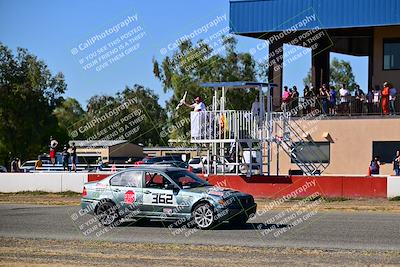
[{"x": 129, "y": 197}]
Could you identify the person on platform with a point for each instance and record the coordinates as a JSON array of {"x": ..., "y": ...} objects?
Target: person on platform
[
  {"x": 385, "y": 98},
  {"x": 377, "y": 99},
  {"x": 370, "y": 101},
  {"x": 332, "y": 101},
  {"x": 256, "y": 107},
  {"x": 285, "y": 99},
  {"x": 295, "y": 99},
  {"x": 324, "y": 95},
  {"x": 308, "y": 95},
  {"x": 360, "y": 98},
  {"x": 344, "y": 99},
  {"x": 392, "y": 100},
  {"x": 198, "y": 105}
]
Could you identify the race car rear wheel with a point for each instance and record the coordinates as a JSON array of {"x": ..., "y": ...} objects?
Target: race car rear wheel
[
  {"x": 107, "y": 213},
  {"x": 203, "y": 216}
]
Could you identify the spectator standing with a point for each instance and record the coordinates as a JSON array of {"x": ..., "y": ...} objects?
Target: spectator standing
[
  {"x": 396, "y": 163},
  {"x": 392, "y": 100},
  {"x": 65, "y": 157},
  {"x": 198, "y": 105},
  {"x": 385, "y": 98},
  {"x": 285, "y": 99},
  {"x": 295, "y": 99},
  {"x": 375, "y": 165},
  {"x": 15, "y": 165},
  {"x": 344, "y": 99},
  {"x": 370, "y": 101},
  {"x": 324, "y": 95},
  {"x": 332, "y": 101},
  {"x": 53, "y": 149},
  {"x": 377, "y": 99},
  {"x": 307, "y": 97},
  {"x": 73, "y": 156},
  {"x": 360, "y": 98}
]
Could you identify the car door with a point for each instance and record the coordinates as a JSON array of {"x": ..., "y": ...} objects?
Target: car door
[
  {"x": 127, "y": 192},
  {"x": 157, "y": 199}
]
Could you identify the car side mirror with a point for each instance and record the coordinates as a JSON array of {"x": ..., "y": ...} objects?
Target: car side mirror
[
  {"x": 169, "y": 186},
  {"x": 172, "y": 187}
]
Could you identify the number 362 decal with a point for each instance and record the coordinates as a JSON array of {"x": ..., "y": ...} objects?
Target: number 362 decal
[{"x": 162, "y": 198}]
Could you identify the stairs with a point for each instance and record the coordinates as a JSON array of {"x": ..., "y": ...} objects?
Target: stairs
[{"x": 304, "y": 152}]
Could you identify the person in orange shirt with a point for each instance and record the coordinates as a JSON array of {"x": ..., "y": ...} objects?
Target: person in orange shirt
[{"x": 385, "y": 98}]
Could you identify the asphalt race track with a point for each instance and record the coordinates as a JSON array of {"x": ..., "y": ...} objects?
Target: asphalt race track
[{"x": 336, "y": 230}]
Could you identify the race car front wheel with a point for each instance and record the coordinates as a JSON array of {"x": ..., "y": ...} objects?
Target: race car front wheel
[
  {"x": 107, "y": 213},
  {"x": 203, "y": 216}
]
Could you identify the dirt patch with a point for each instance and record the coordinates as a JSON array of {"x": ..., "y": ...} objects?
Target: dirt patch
[
  {"x": 41, "y": 252},
  {"x": 41, "y": 198}
]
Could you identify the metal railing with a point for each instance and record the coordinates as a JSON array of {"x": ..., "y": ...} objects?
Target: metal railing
[
  {"x": 223, "y": 126},
  {"x": 349, "y": 106}
]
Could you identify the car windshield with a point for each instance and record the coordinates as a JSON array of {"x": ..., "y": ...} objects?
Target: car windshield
[{"x": 186, "y": 179}]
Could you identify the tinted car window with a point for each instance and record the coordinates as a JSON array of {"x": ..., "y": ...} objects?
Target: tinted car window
[
  {"x": 172, "y": 158},
  {"x": 186, "y": 179},
  {"x": 130, "y": 179},
  {"x": 194, "y": 161},
  {"x": 156, "y": 180}
]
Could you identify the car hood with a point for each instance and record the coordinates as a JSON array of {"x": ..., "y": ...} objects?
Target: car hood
[{"x": 216, "y": 191}]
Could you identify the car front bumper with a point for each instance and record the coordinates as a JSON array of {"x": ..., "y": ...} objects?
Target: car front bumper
[{"x": 229, "y": 213}]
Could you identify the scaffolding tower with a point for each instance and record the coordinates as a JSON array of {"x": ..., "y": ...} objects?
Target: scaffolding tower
[{"x": 243, "y": 139}]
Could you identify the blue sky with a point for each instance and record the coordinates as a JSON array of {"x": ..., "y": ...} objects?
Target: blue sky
[{"x": 50, "y": 29}]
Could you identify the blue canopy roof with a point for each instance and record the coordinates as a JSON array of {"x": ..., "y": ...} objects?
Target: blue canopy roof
[{"x": 258, "y": 16}]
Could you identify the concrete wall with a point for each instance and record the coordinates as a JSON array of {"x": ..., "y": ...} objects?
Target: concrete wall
[
  {"x": 49, "y": 182},
  {"x": 258, "y": 186},
  {"x": 380, "y": 75},
  {"x": 351, "y": 144}
]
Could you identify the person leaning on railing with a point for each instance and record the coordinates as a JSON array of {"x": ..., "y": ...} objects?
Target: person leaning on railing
[
  {"x": 359, "y": 99},
  {"x": 324, "y": 95},
  {"x": 385, "y": 98},
  {"x": 344, "y": 99},
  {"x": 332, "y": 101},
  {"x": 392, "y": 100}
]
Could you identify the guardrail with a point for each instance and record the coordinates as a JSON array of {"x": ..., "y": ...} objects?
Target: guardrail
[
  {"x": 229, "y": 125},
  {"x": 349, "y": 106}
]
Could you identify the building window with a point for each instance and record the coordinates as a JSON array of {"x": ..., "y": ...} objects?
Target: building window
[
  {"x": 391, "y": 54},
  {"x": 312, "y": 152},
  {"x": 385, "y": 150}
]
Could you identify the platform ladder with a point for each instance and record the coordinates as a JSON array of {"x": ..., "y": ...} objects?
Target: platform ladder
[{"x": 291, "y": 137}]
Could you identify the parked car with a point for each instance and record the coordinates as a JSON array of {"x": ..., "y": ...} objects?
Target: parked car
[
  {"x": 29, "y": 165},
  {"x": 3, "y": 169},
  {"x": 165, "y": 194},
  {"x": 153, "y": 160},
  {"x": 178, "y": 164},
  {"x": 199, "y": 164}
]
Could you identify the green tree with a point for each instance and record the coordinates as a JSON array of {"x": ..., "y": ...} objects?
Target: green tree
[
  {"x": 192, "y": 64},
  {"x": 134, "y": 113},
  {"x": 69, "y": 113},
  {"x": 341, "y": 72},
  {"x": 29, "y": 93}
]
